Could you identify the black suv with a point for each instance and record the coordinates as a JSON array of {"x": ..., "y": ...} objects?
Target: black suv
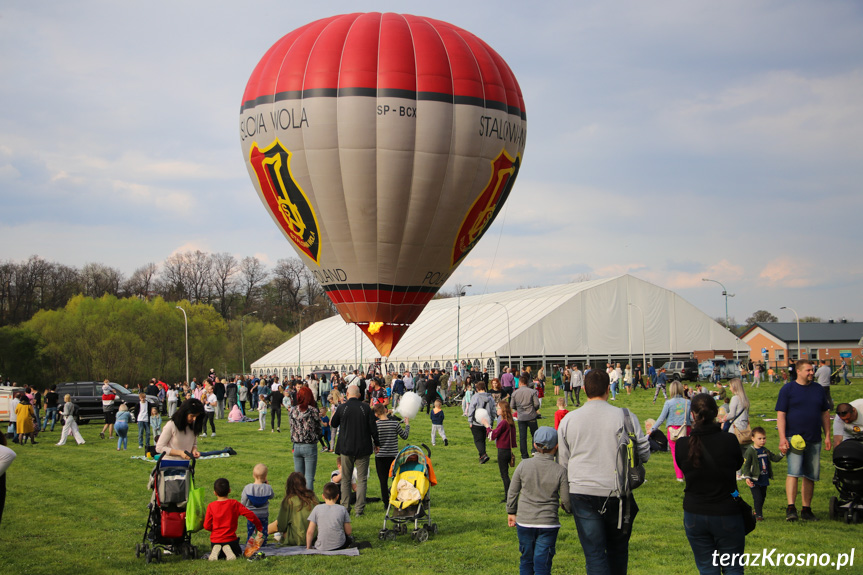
[
  {"x": 681, "y": 369},
  {"x": 87, "y": 395}
]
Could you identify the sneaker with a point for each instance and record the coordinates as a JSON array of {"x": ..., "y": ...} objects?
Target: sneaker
[
  {"x": 791, "y": 513},
  {"x": 204, "y": 434},
  {"x": 140, "y": 447},
  {"x": 278, "y": 430},
  {"x": 229, "y": 553},
  {"x": 272, "y": 431},
  {"x": 212, "y": 434},
  {"x": 681, "y": 480},
  {"x": 446, "y": 442},
  {"x": 102, "y": 434},
  {"x": 807, "y": 515},
  {"x": 214, "y": 554},
  {"x": 484, "y": 459},
  {"x": 759, "y": 518}
]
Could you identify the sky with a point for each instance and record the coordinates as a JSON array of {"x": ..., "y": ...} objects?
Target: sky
[{"x": 672, "y": 140}]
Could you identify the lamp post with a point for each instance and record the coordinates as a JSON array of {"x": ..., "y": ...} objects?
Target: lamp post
[
  {"x": 461, "y": 292},
  {"x": 508, "y": 336},
  {"x": 300, "y": 343},
  {"x": 243, "y": 341},
  {"x": 186, "y": 320},
  {"x": 726, "y": 295},
  {"x": 643, "y": 339},
  {"x": 797, "y": 317}
]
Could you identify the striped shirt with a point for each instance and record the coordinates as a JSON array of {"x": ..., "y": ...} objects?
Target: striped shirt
[{"x": 389, "y": 431}]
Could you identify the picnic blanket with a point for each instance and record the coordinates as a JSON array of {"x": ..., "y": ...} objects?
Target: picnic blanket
[{"x": 284, "y": 551}]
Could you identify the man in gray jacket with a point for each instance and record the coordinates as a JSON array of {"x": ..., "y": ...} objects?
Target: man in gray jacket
[
  {"x": 531, "y": 503},
  {"x": 588, "y": 440},
  {"x": 525, "y": 402},
  {"x": 478, "y": 400}
]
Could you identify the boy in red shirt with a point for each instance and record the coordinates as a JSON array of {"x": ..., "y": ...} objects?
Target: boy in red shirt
[
  {"x": 221, "y": 521},
  {"x": 561, "y": 411}
]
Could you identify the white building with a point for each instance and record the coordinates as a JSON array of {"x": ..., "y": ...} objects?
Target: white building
[{"x": 588, "y": 321}]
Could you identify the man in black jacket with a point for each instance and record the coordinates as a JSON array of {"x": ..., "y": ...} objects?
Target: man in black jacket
[{"x": 358, "y": 437}]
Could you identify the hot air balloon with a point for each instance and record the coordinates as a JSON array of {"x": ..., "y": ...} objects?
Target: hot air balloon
[{"x": 383, "y": 146}]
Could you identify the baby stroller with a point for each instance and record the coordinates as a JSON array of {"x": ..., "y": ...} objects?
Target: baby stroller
[
  {"x": 166, "y": 524},
  {"x": 412, "y": 475},
  {"x": 848, "y": 479}
]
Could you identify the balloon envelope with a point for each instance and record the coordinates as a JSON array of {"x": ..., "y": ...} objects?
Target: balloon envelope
[{"x": 383, "y": 146}]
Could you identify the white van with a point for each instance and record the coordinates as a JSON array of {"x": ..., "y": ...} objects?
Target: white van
[{"x": 6, "y": 394}]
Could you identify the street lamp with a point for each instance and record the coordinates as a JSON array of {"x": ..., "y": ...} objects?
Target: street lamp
[
  {"x": 643, "y": 339},
  {"x": 243, "y": 342},
  {"x": 186, "y": 319},
  {"x": 508, "y": 336},
  {"x": 461, "y": 292},
  {"x": 300, "y": 343},
  {"x": 798, "y": 331},
  {"x": 726, "y": 295}
]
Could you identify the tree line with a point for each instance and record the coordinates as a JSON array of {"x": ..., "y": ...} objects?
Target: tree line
[
  {"x": 61, "y": 323},
  {"x": 233, "y": 287}
]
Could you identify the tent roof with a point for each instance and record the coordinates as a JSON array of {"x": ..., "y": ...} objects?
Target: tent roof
[{"x": 586, "y": 318}]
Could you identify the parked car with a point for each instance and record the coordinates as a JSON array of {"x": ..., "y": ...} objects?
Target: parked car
[
  {"x": 680, "y": 370},
  {"x": 728, "y": 368},
  {"x": 7, "y": 392},
  {"x": 88, "y": 396}
]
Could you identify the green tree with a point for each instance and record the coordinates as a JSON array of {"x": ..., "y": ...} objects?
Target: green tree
[{"x": 761, "y": 316}]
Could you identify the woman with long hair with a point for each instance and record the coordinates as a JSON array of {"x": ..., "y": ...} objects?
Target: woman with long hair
[
  {"x": 293, "y": 520},
  {"x": 504, "y": 436},
  {"x": 180, "y": 434},
  {"x": 675, "y": 414},
  {"x": 710, "y": 459},
  {"x": 738, "y": 409},
  {"x": 305, "y": 433}
]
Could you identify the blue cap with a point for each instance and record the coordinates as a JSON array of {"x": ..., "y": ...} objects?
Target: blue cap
[{"x": 545, "y": 437}]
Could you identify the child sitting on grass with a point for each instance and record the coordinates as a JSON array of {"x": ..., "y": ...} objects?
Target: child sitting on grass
[
  {"x": 256, "y": 497},
  {"x": 531, "y": 503},
  {"x": 332, "y": 522},
  {"x": 221, "y": 521},
  {"x": 758, "y": 470}
]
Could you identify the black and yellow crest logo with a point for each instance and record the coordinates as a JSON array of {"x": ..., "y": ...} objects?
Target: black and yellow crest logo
[{"x": 285, "y": 198}]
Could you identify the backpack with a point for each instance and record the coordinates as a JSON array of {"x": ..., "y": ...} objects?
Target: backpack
[{"x": 629, "y": 470}]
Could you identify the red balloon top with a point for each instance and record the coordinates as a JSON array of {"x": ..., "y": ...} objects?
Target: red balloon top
[{"x": 389, "y": 55}]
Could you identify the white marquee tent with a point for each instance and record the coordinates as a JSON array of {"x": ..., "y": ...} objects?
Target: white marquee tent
[{"x": 577, "y": 321}]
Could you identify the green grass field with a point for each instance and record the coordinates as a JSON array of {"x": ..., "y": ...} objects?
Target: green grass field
[{"x": 82, "y": 508}]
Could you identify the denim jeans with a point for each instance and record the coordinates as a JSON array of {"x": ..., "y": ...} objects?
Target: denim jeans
[
  {"x": 709, "y": 533},
  {"x": 537, "y": 549},
  {"x": 306, "y": 462},
  {"x": 50, "y": 413},
  {"x": 143, "y": 433},
  {"x": 122, "y": 429},
  {"x": 606, "y": 548}
]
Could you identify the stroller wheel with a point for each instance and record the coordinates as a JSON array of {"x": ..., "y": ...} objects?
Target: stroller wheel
[
  {"x": 157, "y": 553},
  {"x": 382, "y": 534},
  {"x": 433, "y": 528},
  {"x": 148, "y": 556},
  {"x": 834, "y": 508},
  {"x": 849, "y": 516},
  {"x": 421, "y": 535},
  {"x": 391, "y": 535}
]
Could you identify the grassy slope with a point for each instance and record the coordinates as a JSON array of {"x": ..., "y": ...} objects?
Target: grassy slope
[{"x": 82, "y": 509}]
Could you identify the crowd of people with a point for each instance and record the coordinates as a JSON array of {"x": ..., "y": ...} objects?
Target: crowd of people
[{"x": 707, "y": 430}]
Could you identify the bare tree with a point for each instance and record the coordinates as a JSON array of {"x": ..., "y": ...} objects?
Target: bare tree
[
  {"x": 99, "y": 279},
  {"x": 223, "y": 269},
  {"x": 174, "y": 277},
  {"x": 142, "y": 282},
  {"x": 253, "y": 273},
  {"x": 198, "y": 278},
  {"x": 761, "y": 316}
]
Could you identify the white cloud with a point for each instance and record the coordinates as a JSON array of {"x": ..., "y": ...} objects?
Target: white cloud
[{"x": 788, "y": 272}]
